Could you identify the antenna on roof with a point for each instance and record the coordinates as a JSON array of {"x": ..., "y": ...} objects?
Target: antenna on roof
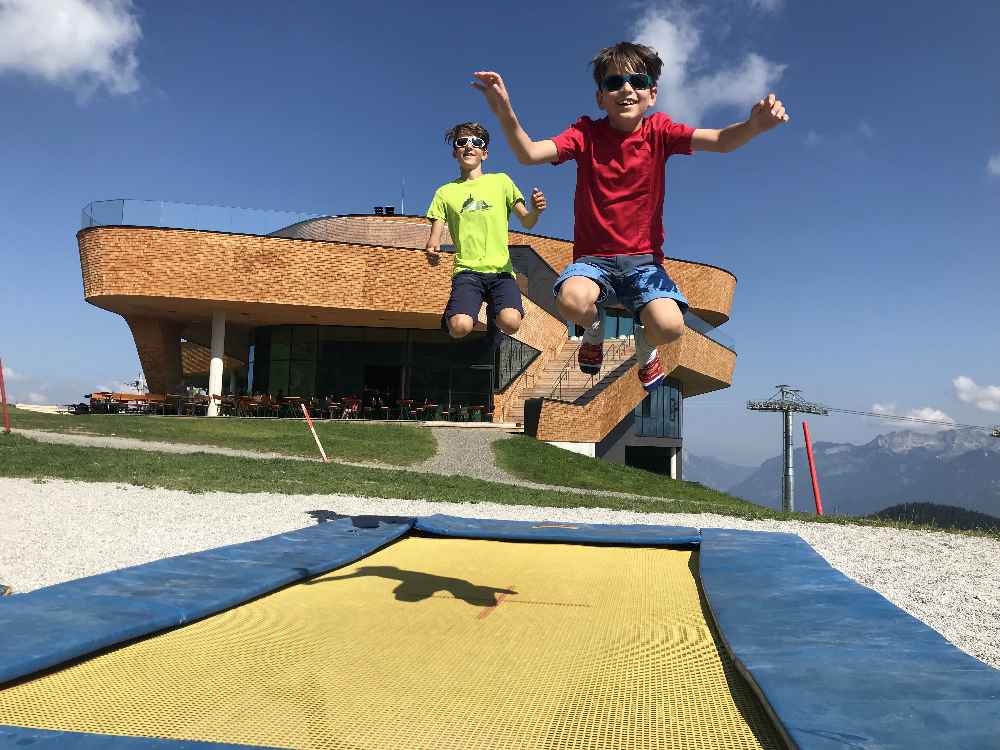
[{"x": 402, "y": 196}]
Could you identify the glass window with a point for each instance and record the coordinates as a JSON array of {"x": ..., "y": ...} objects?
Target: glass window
[
  {"x": 626, "y": 325},
  {"x": 660, "y": 413},
  {"x": 278, "y": 382},
  {"x": 303, "y": 342},
  {"x": 301, "y": 378},
  {"x": 281, "y": 342}
]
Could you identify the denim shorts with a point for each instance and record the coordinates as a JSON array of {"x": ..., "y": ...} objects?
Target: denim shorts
[
  {"x": 469, "y": 289},
  {"x": 635, "y": 280}
]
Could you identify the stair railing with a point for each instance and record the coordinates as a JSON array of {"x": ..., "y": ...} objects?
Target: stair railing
[{"x": 614, "y": 350}]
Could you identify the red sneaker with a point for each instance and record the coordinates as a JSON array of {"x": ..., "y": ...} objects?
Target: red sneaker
[
  {"x": 590, "y": 358},
  {"x": 651, "y": 374}
]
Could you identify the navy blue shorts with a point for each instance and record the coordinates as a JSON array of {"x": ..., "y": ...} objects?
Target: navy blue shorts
[{"x": 469, "y": 289}]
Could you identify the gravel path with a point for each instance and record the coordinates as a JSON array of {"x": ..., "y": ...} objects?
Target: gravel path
[{"x": 57, "y": 530}]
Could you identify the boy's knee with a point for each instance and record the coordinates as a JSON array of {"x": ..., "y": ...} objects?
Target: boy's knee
[
  {"x": 509, "y": 321},
  {"x": 460, "y": 326},
  {"x": 577, "y": 296},
  {"x": 663, "y": 321},
  {"x": 573, "y": 305}
]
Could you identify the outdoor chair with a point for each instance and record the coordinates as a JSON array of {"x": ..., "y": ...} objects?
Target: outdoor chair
[
  {"x": 352, "y": 408},
  {"x": 156, "y": 403},
  {"x": 244, "y": 406}
]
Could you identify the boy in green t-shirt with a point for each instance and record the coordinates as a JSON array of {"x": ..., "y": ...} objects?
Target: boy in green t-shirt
[{"x": 477, "y": 208}]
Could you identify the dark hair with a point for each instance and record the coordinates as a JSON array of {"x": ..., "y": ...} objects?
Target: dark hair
[
  {"x": 467, "y": 128},
  {"x": 627, "y": 56}
]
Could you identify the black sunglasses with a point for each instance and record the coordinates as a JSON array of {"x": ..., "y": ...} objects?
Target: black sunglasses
[
  {"x": 474, "y": 140},
  {"x": 636, "y": 80}
]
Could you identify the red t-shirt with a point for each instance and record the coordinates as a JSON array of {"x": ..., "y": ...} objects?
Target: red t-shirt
[{"x": 620, "y": 183}]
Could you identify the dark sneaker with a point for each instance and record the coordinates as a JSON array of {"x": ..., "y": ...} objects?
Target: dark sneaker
[
  {"x": 590, "y": 357},
  {"x": 651, "y": 374}
]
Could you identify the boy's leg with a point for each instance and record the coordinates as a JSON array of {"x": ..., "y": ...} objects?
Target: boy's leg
[
  {"x": 659, "y": 307},
  {"x": 580, "y": 291},
  {"x": 467, "y": 294},
  {"x": 504, "y": 300}
]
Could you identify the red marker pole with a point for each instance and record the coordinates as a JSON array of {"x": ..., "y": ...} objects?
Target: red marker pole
[
  {"x": 305, "y": 413},
  {"x": 3, "y": 398},
  {"x": 812, "y": 469}
]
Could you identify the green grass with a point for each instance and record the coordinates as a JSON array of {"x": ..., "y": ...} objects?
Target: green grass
[
  {"x": 204, "y": 472},
  {"x": 537, "y": 461},
  {"x": 524, "y": 457},
  {"x": 399, "y": 445},
  {"x": 541, "y": 462}
]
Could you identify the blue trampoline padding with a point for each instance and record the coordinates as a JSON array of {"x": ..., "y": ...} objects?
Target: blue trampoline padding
[
  {"x": 62, "y": 622},
  {"x": 558, "y": 531},
  {"x": 44, "y": 739},
  {"x": 837, "y": 664}
]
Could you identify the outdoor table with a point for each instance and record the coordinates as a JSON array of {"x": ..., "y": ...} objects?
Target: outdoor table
[{"x": 290, "y": 405}]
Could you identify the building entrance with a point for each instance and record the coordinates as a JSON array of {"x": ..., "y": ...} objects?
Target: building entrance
[{"x": 649, "y": 458}]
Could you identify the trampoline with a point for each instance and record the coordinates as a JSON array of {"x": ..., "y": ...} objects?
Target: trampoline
[{"x": 451, "y": 633}]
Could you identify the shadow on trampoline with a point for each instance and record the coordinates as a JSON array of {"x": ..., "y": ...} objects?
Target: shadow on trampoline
[
  {"x": 359, "y": 522},
  {"x": 415, "y": 586}
]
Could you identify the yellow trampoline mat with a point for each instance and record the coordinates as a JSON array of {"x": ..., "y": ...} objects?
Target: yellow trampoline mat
[{"x": 431, "y": 643}]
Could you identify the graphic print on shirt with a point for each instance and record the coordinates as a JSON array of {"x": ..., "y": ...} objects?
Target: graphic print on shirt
[{"x": 471, "y": 204}]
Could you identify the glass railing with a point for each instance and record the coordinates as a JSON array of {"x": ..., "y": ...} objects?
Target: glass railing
[
  {"x": 141, "y": 213},
  {"x": 695, "y": 323}
]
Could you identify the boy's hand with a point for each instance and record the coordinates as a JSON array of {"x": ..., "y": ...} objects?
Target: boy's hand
[
  {"x": 538, "y": 202},
  {"x": 769, "y": 112},
  {"x": 433, "y": 253},
  {"x": 492, "y": 87}
]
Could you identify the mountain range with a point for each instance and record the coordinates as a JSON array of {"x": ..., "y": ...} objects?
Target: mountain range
[{"x": 958, "y": 468}]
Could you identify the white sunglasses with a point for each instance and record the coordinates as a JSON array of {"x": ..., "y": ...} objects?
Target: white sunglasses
[{"x": 476, "y": 141}]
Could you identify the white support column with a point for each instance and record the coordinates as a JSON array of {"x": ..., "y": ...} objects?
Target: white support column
[
  {"x": 215, "y": 368},
  {"x": 675, "y": 456}
]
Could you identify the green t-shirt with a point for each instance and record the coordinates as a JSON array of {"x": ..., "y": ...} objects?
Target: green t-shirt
[{"x": 477, "y": 212}]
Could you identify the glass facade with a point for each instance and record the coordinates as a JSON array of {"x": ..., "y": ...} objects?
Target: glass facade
[
  {"x": 619, "y": 323},
  {"x": 425, "y": 366},
  {"x": 513, "y": 357},
  {"x": 661, "y": 413}
]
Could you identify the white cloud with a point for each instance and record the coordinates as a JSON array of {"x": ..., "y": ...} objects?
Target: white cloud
[
  {"x": 985, "y": 397},
  {"x": 925, "y": 413},
  {"x": 684, "y": 91},
  {"x": 80, "y": 44},
  {"x": 10, "y": 375},
  {"x": 865, "y": 129},
  {"x": 36, "y": 397},
  {"x": 813, "y": 138},
  {"x": 993, "y": 165}
]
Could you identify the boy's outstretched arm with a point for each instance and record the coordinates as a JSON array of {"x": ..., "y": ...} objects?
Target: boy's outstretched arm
[
  {"x": 538, "y": 204},
  {"x": 433, "y": 246},
  {"x": 768, "y": 113},
  {"x": 526, "y": 150}
]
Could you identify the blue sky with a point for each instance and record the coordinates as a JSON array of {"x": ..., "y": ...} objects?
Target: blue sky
[{"x": 864, "y": 234}]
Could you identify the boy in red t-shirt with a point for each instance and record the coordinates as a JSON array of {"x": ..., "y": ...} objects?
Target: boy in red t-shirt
[{"x": 618, "y": 209}]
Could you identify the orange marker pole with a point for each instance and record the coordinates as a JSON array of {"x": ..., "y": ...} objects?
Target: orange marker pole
[
  {"x": 812, "y": 469},
  {"x": 305, "y": 413},
  {"x": 3, "y": 398}
]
